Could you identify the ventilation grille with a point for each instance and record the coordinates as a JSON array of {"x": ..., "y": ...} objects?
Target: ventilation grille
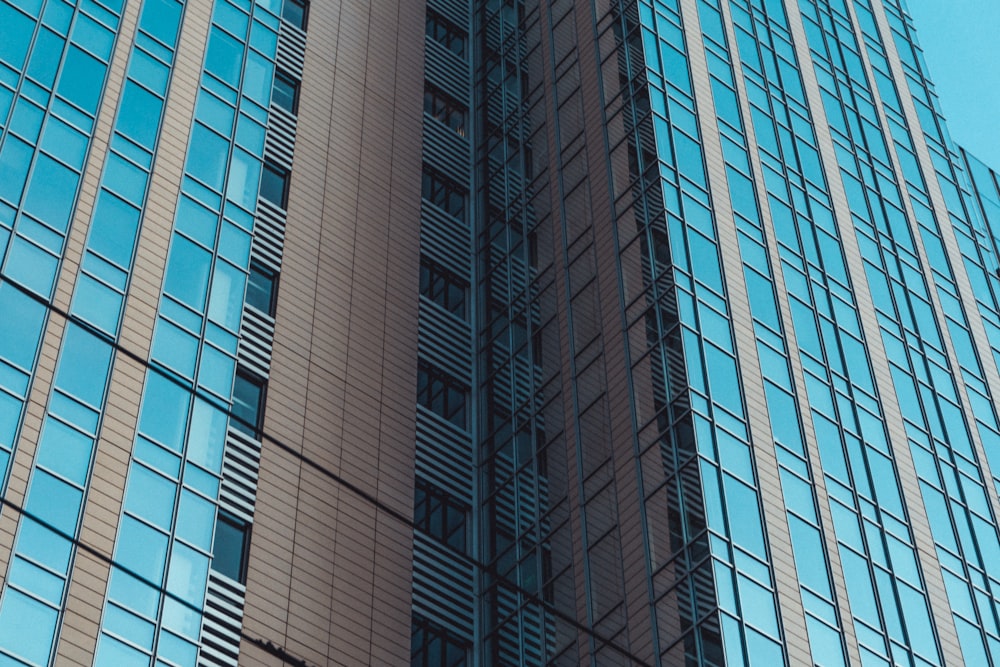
[
  {"x": 279, "y": 142},
  {"x": 269, "y": 235},
  {"x": 240, "y": 467},
  {"x": 291, "y": 49},
  {"x": 223, "y": 622}
]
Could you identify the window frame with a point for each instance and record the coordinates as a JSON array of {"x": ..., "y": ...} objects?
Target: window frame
[
  {"x": 301, "y": 4},
  {"x": 252, "y": 428},
  {"x": 241, "y": 528},
  {"x": 293, "y": 84},
  {"x": 282, "y": 173},
  {"x": 272, "y": 294}
]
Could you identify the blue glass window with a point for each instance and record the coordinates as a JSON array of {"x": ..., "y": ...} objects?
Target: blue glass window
[
  {"x": 27, "y": 626},
  {"x": 187, "y": 273},
  {"x": 113, "y": 231},
  {"x": 207, "y": 157},
  {"x": 294, "y": 12},
  {"x": 15, "y": 36},
  {"x": 20, "y": 326},
  {"x": 225, "y": 57},
  {"x": 84, "y": 365},
  {"x": 248, "y": 398},
  {"x": 51, "y": 193},
  {"x": 137, "y": 115},
  {"x": 164, "y": 413},
  {"x": 161, "y": 18},
  {"x": 82, "y": 79},
  {"x": 65, "y": 451},
  {"x": 274, "y": 185}
]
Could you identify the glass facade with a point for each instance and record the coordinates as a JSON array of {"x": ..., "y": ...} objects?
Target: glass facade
[{"x": 702, "y": 366}]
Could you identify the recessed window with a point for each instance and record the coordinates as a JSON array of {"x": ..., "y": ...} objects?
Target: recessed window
[
  {"x": 294, "y": 12},
  {"x": 444, "y": 193},
  {"x": 442, "y": 394},
  {"x": 443, "y": 287},
  {"x": 445, "y": 108},
  {"x": 440, "y": 515},
  {"x": 285, "y": 93},
  {"x": 274, "y": 185},
  {"x": 248, "y": 403},
  {"x": 230, "y": 547},
  {"x": 446, "y": 33},
  {"x": 432, "y": 645},
  {"x": 261, "y": 289}
]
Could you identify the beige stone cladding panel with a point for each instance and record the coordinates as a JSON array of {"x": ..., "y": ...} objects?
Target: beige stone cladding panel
[{"x": 330, "y": 558}]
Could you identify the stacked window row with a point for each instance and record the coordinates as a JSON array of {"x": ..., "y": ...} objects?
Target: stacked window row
[
  {"x": 53, "y": 64},
  {"x": 710, "y": 414},
  {"x": 978, "y": 253},
  {"x": 63, "y": 460},
  {"x": 876, "y": 551},
  {"x": 927, "y": 395},
  {"x": 823, "y": 617},
  {"x": 440, "y": 511},
  {"x": 520, "y": 444},
  {"x": 174, "y": 530}
]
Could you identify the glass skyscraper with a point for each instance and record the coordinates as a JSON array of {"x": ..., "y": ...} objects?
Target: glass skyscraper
[{"x": 667, "y": 334}]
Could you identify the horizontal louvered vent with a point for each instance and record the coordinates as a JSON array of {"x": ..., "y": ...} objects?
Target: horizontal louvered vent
[
  {"x": 240, "y": 469},
  {"x": 269, "y": 235},
  {"x": 256, "y": 338},
  {"x": 446, "y": 150},
  {"x": 291, "y": 49},
  {"x": 446, "y": 70},
  {"x": 445, "y": 340},
  {"x": 444, "y": 455},
  {"x": 442, "y": 581},
  {"x": 279, "y": 142},
  {"x": 444, "y": 239},
  {"x": 223, "y": 622},
  {"x": 454, "y": 10}
]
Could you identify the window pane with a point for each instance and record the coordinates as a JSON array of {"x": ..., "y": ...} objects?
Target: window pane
[
  {"x": 294, "y": 11},
  {"x": 83, "y": 366},
  {"x": 247, "y": 395},
  {"x": 260, "y": 290},
  {"x": 20, "y": 326},
  {"x": 82, "y": 79},
  {"x": 229, "y": 547},
  {"x": 187, "y": 273},
  {"x": 51, "y": 193},
  {"x": 285, "y": 93},
  {"x": 274, "y": 185}
]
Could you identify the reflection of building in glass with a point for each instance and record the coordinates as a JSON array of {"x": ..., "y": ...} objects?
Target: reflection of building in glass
[{"x": 667, "y": 334}]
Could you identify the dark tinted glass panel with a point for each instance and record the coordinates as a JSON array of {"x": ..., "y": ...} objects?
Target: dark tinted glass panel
[
  {"x": 229, "y": 548},
  {"x": 443, "y": 287},
  {"x": 434, "y": 646},
  {"x": 285, "y": 93},
  {"x": 446, "y": 109},
  {"x": 274, "y": 185},
  {"x": 446, "y": 33},
  {"x": 248, "y": 394},
  {"x": 440, "y": 515},
  {"x": 260, "y": 290},
  {"x": 442, "y": 394},
  {"x": 294, "y": 11},
  {"x": 444, "y": 193}
]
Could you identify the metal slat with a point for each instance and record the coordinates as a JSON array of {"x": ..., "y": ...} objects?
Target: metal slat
[{"x": 223, "y": 622}]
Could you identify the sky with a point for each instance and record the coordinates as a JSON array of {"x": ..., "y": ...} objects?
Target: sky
[{"x": 961, "y": 44}]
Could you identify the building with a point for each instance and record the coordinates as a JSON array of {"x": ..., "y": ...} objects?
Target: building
[{"x": 667, "y": 334}]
